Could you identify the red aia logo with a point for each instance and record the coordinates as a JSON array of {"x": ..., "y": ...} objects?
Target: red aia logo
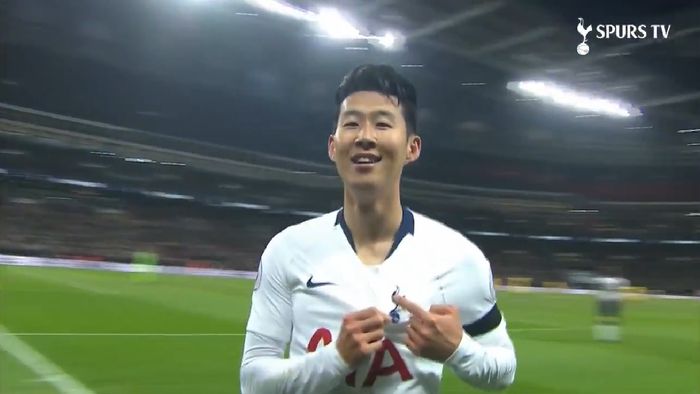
[{"x": 323, "y": 335}]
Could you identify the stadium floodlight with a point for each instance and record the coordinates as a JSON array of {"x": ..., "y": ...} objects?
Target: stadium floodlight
[
  {"x": 76, "y": 182},
  {"x": 138, "y": 160},
  {"x": 680, "y": 242},
  {"x": 172, "y": 196},
  {"x": 334, "y": 25},
  {"x": 551, "y": 237},
  {"x": 330, "y": 22},
  {"x": 616, "y": 240},
  {"x": 570, "y": 98},
  {"x": 312, "y": 214},
  {"x": 490, "y": 233},
  {"x": 258, "y": 207},
  {"x": 283, "y": 8},
  {"x": 389, "y": 40}
]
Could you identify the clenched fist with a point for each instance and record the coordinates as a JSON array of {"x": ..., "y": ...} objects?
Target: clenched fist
[{"x": 361, "y": 334}]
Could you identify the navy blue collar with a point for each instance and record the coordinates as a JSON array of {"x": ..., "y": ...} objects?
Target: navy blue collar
[{"x": 406, "y": 227}]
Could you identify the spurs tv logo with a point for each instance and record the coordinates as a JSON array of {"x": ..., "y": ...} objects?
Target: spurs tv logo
[{"x": 628, "y": 32}]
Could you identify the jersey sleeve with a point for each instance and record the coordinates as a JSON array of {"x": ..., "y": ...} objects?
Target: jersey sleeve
[
  {"x": 271, "y": 306},
  {"x": 264, "y": 370},
  {"x": 485, "y": 357},
  {"x": 469, "y": 287}
]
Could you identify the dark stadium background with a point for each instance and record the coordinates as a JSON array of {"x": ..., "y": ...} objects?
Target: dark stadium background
[{"x": 197, "y": 129}]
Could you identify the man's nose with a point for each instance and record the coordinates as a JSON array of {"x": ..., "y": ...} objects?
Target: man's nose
[{"x": 367, "y": 137}]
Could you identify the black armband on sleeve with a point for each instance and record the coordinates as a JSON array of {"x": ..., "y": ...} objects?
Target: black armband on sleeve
[{"x": 485, "y": 324}]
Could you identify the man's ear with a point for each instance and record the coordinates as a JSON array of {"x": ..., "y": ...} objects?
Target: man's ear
[
  {"x": 413, "y": 148},
  {"x": 331, "y": 147}
]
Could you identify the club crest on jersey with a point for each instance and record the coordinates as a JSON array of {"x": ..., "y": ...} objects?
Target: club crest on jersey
[{"x": 394, "y": 313}]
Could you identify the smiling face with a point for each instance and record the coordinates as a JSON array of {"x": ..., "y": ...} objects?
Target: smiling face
[{"x": 371, "y": 143}]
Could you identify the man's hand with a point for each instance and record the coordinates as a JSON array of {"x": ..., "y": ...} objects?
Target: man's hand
[
  {"x": 361, "y": 334},
  {"x": 433, "y": 334}
]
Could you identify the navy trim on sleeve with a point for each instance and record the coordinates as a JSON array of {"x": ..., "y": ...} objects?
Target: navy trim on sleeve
[{"x": 487, "y": 323}]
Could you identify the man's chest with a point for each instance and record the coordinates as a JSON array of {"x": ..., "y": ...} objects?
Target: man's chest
[
  {"x": 337, "y": 285},
  {"x": 331, "y": 290}
]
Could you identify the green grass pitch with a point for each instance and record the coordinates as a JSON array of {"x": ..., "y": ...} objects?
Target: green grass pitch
[{"x": 660, "y": 352}]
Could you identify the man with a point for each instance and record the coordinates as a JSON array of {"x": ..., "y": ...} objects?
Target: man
[
  {"x": 373, "y": 297},
  {"x": 609, "y": 317}
]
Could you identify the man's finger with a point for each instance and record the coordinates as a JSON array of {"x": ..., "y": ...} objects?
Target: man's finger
[
  {"x": 417, "y": 339},
  {"x": 365, "y": 314},
  {"x": 412, "y": 346},
  {"x": 372, "y": 323},
  {"x": 411, "y": 306},
  {"x": 373, "y": 336},
  {"x": 442, "y": 309}
]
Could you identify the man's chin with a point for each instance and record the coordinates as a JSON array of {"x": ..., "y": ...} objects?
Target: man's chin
[{"x": 362, "y": 185}]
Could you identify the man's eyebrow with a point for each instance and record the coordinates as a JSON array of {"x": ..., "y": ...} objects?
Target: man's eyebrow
[
  {"x": 352, "y": 112},
  {"x": 384, "y": 113},
  {"x": 374, "y": 114}
]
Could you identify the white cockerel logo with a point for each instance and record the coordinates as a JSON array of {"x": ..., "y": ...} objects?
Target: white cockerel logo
[{"x": 583, "y": 30}]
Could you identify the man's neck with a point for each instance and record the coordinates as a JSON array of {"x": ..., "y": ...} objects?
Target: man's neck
[{"x": 374, "y": 220}]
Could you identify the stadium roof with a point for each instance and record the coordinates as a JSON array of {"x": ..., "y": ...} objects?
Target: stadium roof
[{"x": 231, "y": 73}]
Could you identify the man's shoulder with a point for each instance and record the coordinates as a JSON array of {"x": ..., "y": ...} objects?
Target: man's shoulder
[
  {"x": 446, "y": 240},
  {"x": 439, "y": 233},
  {"x": 469, "y": 281}
]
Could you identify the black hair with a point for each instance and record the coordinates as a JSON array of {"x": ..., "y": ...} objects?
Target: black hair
[{"x": 382, "y": 79}]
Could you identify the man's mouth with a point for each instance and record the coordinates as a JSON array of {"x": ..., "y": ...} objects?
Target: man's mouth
[{"x": 365, "y": 158}]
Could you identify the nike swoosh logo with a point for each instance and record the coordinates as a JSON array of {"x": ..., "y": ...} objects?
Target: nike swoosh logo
[{"x": 310, "y": 284}]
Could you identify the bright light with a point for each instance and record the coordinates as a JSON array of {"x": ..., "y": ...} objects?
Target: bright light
[
  {"x": 680, "y": 242},
  {"x": 259, "y": 207},
  {"x": 282, "y": 8},
  {"x": 387, "y": 40},
  {"x": 335, "y": 25},
  {"x": 311, "y": 214},
  {"x": 616, "y": 240},
  {"x": 138, "y": 160},
  {"x": 330, "y": 22},
  {"x": 76, "y": 182},
  {"x": 570, "y": 98},
  {"x": 172, "y": 196},
  {"x": 489, "y": 233},
  {"x": 551, "y": 237}
]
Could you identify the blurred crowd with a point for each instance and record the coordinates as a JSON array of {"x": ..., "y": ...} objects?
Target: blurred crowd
[
  {"x": 45, "y": 220},
  {"x": 533, "y": 221},
  {"x": 90, "y": 226}
]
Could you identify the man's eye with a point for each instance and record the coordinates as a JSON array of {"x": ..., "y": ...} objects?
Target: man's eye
[
  {"x": 383, "y": 125},
  {"x": 350, "y": 124}
]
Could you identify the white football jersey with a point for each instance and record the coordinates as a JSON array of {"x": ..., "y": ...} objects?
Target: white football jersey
[
  {"x": 610, "y": 288},
  {"x": 310, "y": 277}
]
